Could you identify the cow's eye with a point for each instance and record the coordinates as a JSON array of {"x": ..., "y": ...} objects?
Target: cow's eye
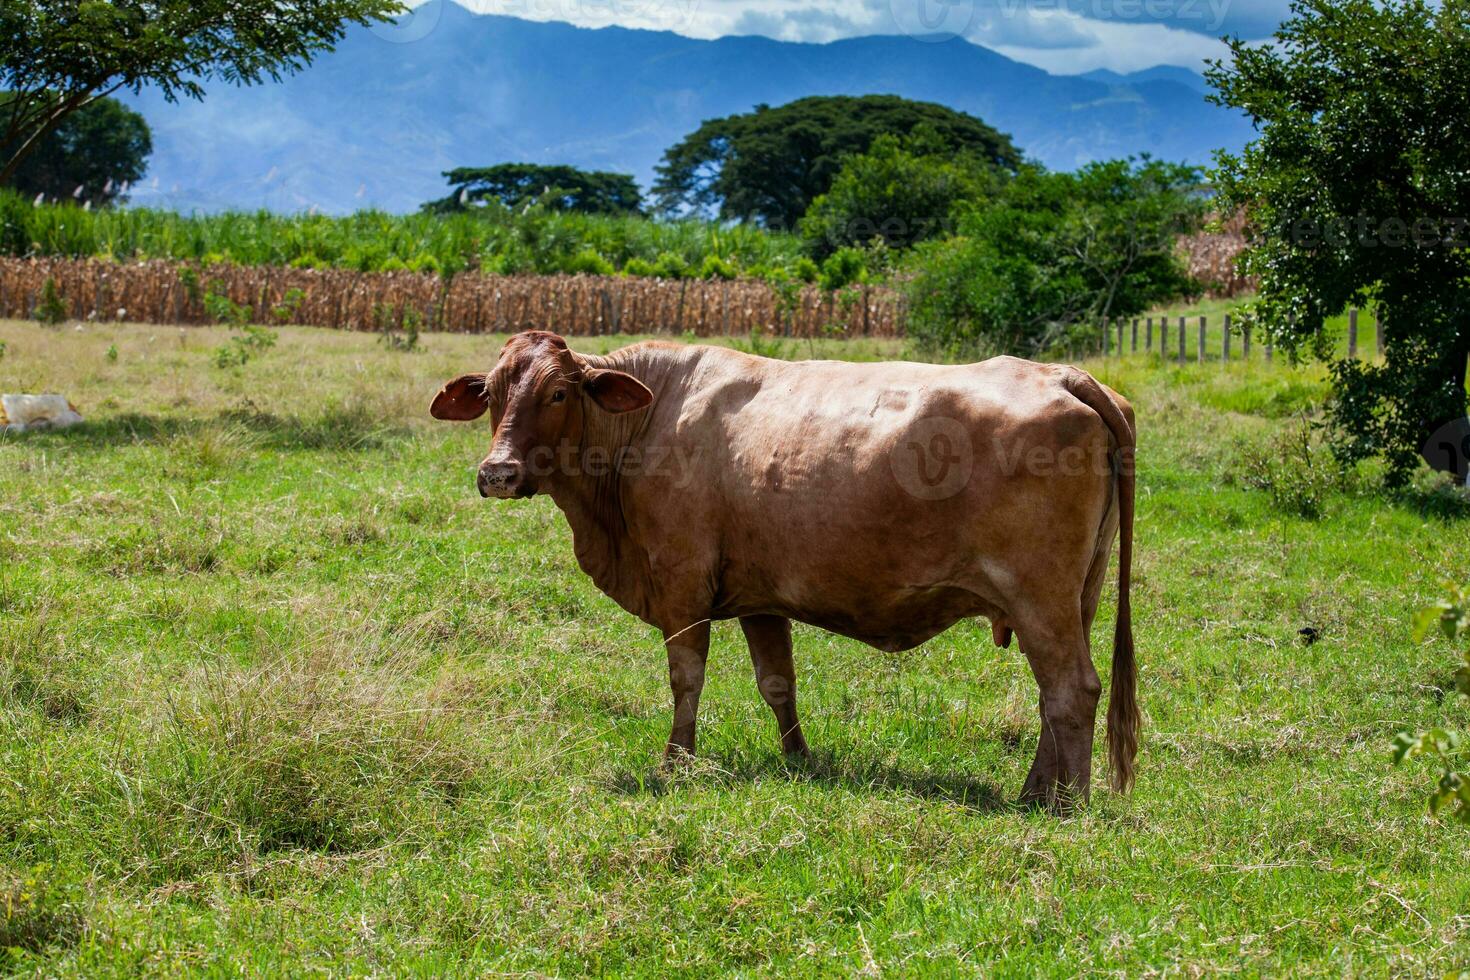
[{"x": 559, "y": 395}]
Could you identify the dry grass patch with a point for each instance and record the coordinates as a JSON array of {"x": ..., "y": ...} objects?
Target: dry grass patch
[{"x": 336, "y": 744}]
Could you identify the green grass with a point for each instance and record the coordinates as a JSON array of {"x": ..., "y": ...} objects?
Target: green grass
[{"x": 279, "y": 693}]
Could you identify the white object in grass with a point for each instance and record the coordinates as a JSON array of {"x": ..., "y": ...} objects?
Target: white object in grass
[{"x": 19, "y": 413}]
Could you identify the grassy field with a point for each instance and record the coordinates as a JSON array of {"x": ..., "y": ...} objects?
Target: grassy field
[{"x": 279, "y": 693}]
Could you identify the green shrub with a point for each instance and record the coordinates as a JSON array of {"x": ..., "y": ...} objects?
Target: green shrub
[
  {"x": 842, "y": 267},
  {"x": 1050, "y": 254},
  {"x": 250, "y": 341},
  {"x": 51, "y": 309},
  {"x": 424, "y": 262},
  {"x": 189, "y": 280},
  {"x": 638, "y": 267},
  {"x": 405, "y": 340},
  {"x": 589, "y": 263},
  {"x": 899, "y": 192},
  {"x": 806, "y": 270},
  {"x": 670, "y": 266},
  {"x": 285, "y": 311},
  {"x": 1296, "y": 468},
  {"x": 222, "y": 309},
  {"x": 715, "y": 267}
]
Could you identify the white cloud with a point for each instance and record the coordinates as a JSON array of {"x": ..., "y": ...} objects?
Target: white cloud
[
  {"x": 1121, "y": 47},
  {"x": 1060, "y": 36}
]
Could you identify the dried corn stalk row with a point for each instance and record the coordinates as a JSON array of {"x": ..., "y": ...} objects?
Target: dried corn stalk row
[
  {"x": 1211, "y": 257},
  {"x": 172, "y": 292}
]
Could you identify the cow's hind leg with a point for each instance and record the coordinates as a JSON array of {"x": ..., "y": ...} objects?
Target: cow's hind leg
[
  {"x": 1070, "y": 688},
  {"x": 769, "y": 638},
  {"x": 688, "y": 649}
]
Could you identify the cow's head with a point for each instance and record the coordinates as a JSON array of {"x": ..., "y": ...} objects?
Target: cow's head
[{"x": 539, "y": 396}]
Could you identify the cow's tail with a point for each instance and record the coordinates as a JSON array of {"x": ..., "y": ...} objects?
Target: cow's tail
[{"x": 1123, "y": 717}]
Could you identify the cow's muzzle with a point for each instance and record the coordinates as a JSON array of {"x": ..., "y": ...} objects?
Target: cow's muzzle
[{"x": 504, "y": 480}]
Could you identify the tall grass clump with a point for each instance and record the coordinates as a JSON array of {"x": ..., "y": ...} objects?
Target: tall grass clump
[{"x": 333, "y": 746}]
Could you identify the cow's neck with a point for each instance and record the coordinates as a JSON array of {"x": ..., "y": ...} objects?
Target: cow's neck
[{"x": 607, "y": 548}]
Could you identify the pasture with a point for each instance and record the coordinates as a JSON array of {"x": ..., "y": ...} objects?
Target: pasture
[{"x": 280, "y": 693}]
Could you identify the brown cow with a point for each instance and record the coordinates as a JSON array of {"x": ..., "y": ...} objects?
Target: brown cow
[{"x": 884, "y": 502}]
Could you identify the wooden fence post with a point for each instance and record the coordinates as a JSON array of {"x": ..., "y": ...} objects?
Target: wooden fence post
[
  {"x": 1378, "y": 333},
  {"x": 1135, "y": 335},
  {"x": 1164, "y": 337},
  {"x": 1352, "y": 333},
  {"x": 1201, "y": 352},
  {"x": 1182, "y": 343},
  {"x": 1121, "y": 324},
  {"x": 1106, "y": 336},
  {"x": 1245, "y": 341},
  {"x": 1226, "y": 322},
  {"x": 1148, "y": 336}
]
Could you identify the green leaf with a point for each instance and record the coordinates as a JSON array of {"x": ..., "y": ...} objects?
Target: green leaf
[{"x": 1424, "y": 619}]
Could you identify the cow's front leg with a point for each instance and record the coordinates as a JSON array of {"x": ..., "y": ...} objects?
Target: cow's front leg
[
  {"x": 688, "y": 648},
  {"x": 769, "y": 638}
]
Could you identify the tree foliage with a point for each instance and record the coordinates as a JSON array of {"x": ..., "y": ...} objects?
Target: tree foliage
[
  {"x": 91, "y": 155},
  {"x": 559, "y": 187},
  {"x": 769, "y": 165},
  {"x": 1358, "y": 192},
  {"x": 1051, "y": 254},
  {"x": 901, "y": 191},
  {"x": 1448, "y": 748},
  {"x": 57, "y": 56}
]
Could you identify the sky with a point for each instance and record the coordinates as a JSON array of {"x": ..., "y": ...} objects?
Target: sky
[{"x": 1060, "y": 36}]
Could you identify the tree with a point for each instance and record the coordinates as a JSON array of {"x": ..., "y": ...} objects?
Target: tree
[
  {"x": 91, "y": 156},
  {"x": 900, "y": 191},
  {"x": 1357, "y": 191},
  {"x": 560, "y": 187},
  {"x": 1053, "y": 253},
  {"x": 770, "y": 164},
  {"x": 59, "y": 56}
]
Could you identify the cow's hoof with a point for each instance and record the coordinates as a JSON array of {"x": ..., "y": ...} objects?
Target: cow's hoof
[
  {"x": 676, "y": 757},
  {"x": 797, "y": 751},
  {"x": 1058, "y": 798}
]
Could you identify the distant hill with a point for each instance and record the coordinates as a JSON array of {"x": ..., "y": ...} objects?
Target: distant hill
[
  {"x": 1158, "y": 73},
  {"x": 375, "y": 122}
]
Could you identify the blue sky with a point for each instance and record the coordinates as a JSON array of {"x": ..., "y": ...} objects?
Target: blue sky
[{"x": 1061, "y": 36}]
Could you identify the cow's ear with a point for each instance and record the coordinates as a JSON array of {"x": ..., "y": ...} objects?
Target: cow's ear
[
  {"x": 463, "y": 399},
  {"x": 615, "y": 392}
]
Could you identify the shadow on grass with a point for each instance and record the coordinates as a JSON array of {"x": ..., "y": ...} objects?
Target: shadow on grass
[
  {"x": 1438, "y": 498},
  {"x": 824, "y": 769},
  {"x": 336, "y": 428}
]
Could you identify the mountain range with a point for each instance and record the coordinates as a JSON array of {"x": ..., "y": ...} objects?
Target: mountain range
[{"x": 375, "y": 122}]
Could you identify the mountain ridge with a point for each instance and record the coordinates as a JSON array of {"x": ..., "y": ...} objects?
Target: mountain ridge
[{"x": 375, "y": 123}]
